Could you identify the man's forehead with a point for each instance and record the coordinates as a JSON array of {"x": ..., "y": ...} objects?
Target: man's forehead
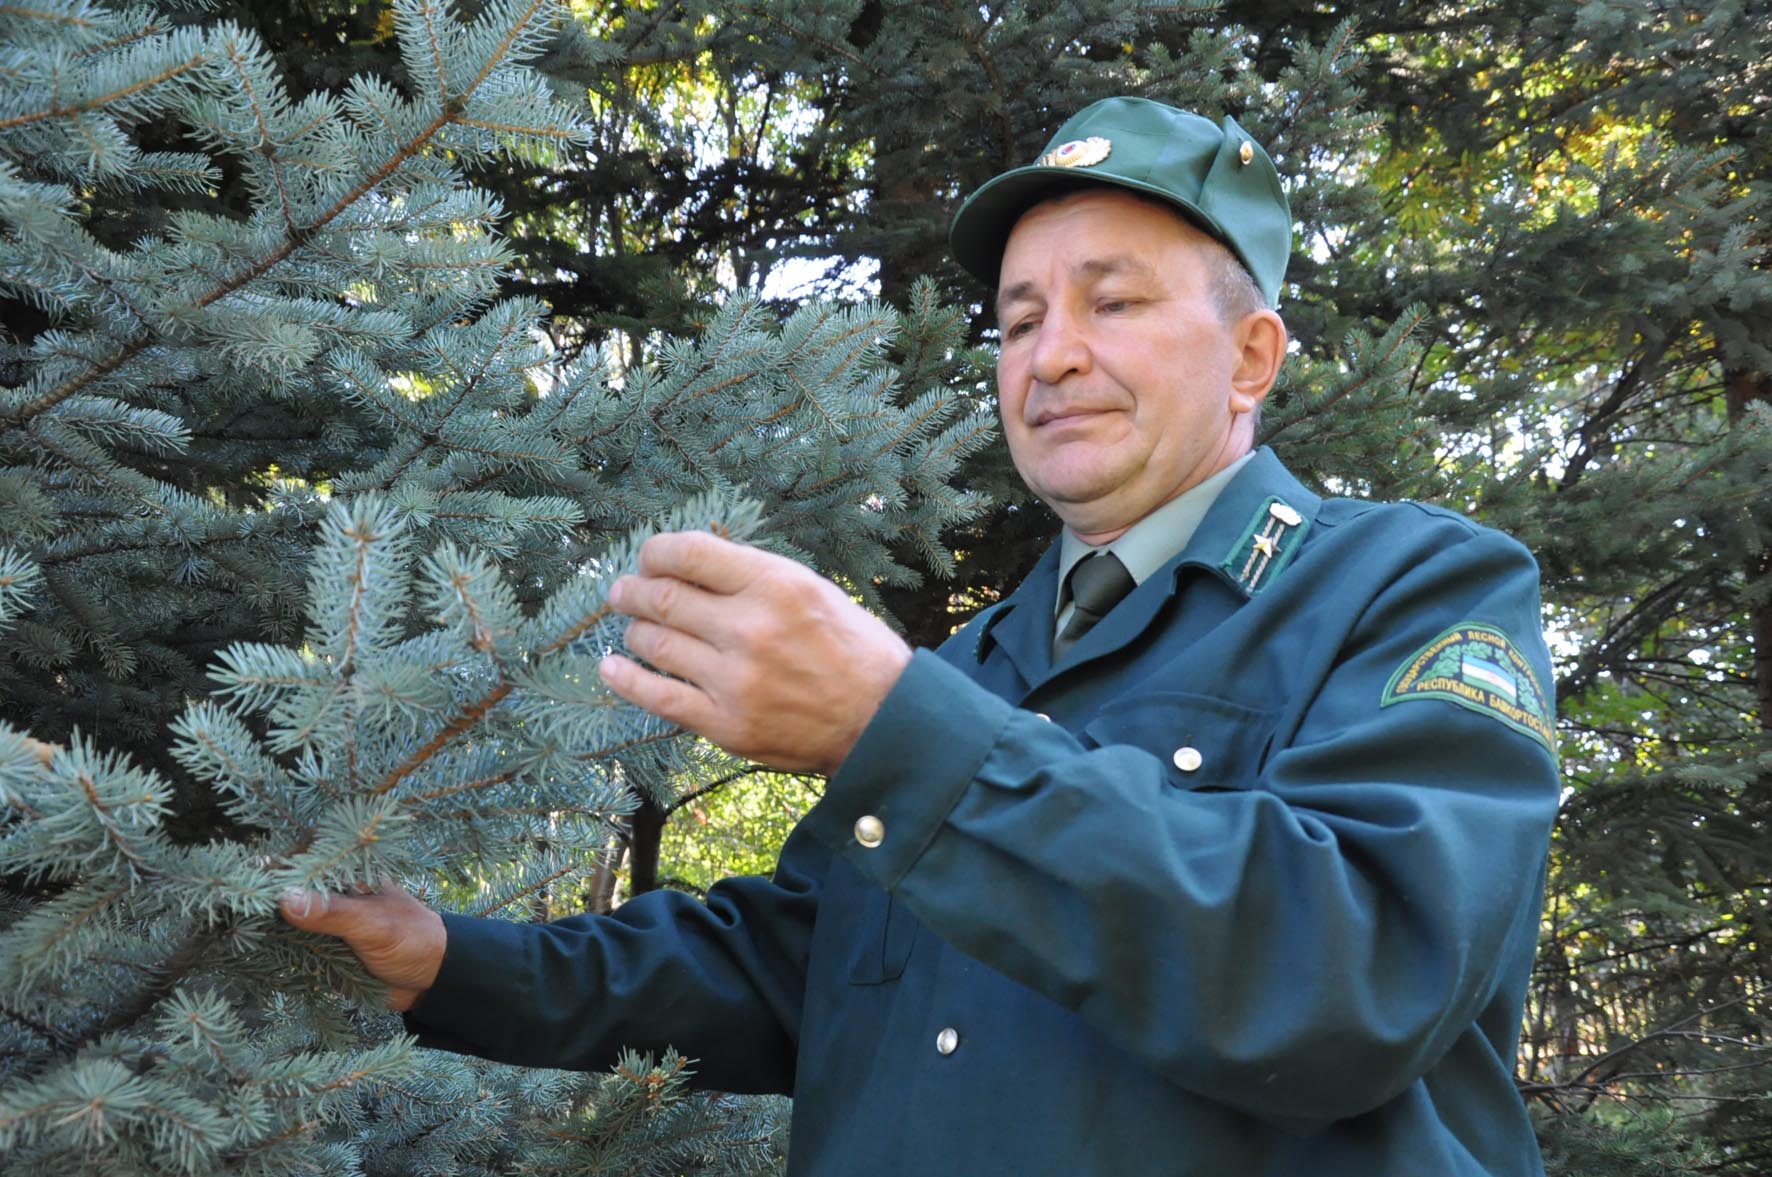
[
  {"x": 1101, "y": 204},
  {"x": 1086, "y": 270},
  {"x": 1143, "y": 251}
]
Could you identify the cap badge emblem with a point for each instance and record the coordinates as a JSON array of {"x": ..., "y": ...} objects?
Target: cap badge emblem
[{"x": 1078, "y": 153}]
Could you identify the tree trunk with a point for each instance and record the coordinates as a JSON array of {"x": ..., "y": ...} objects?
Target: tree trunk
[
  {"x": 646, "y": 828},
  {"x": 600, "y": 900}
]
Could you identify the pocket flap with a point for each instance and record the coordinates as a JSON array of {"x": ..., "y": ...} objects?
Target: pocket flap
[{"x": 1204, "y": 742}]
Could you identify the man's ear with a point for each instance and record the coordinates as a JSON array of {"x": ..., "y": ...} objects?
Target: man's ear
[{"x": 1260, "y": 340}]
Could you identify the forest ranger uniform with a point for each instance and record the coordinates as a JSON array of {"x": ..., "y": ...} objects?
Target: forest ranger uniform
[{"x": 1247, "y": 884}]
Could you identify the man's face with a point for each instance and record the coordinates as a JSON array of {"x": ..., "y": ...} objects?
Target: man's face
[{"x": 1119, "y": 382}]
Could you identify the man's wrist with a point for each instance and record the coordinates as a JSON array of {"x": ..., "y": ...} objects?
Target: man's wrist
[
  {"x": 436, "y": 947},
  {"x": 891, "y": 669}
]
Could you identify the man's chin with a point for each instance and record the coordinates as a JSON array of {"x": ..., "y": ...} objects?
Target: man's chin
[{"x": 1091, "y": 515}]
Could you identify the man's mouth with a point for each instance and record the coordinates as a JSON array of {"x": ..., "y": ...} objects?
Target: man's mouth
[{"x": 1061, "y": 415}]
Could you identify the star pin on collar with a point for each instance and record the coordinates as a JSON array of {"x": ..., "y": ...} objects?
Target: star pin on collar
[{"x": 1268, "y": 543}]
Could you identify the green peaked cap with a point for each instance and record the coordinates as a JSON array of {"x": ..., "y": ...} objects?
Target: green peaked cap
[{"x": 1214, "y": 173}]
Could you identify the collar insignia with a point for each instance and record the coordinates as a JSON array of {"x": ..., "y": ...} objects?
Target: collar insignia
[{"x": 1268, "y": 543}]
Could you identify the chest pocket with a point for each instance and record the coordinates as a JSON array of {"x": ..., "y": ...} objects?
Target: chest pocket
[
  {"x": 1205, "y": 743},
  {"x": 875, "y": 931},
  {"x": 884, "y": 934}
]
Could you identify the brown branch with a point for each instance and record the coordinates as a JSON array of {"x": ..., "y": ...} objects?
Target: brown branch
[
  {"x": 713, "y": 786},
  {"x": 577, "y": 630},
  {"x": 669, "y": 733},
  {"x": 512, "y": 129},
  {"x": 525, "y": 892},
  {"x": 100, "y": 100},
  {"x": 487, "y": 782},
  {"x": 461, "y": 723}
]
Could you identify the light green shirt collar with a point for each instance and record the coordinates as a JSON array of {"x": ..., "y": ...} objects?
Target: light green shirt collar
[{"x": 1151, "y": 542}]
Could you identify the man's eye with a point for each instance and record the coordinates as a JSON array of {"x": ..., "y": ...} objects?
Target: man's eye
[
  {"x": 1114, "y": 306},
  {"x": 1017, "y": 330}
]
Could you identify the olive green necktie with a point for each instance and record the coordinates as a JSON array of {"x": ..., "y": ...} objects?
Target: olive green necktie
[{"x": 1098, "y": 583}]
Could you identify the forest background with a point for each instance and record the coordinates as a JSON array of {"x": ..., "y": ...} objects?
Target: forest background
[{"x": 1533, "y": 282}]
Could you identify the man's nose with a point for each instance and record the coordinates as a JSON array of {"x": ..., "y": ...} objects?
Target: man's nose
[{"x": 1060, "y": 349}]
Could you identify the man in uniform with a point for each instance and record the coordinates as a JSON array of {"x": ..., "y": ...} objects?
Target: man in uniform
[{"x": 1215, "y": 849}]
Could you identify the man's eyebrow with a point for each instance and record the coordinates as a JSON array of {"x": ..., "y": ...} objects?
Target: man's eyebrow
[
  {"x": 1116, "y": 263},
  {"x": 1095, "y": 269},
  {"x": 1013, "y": 294}
]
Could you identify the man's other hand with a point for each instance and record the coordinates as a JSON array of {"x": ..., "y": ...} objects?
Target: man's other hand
[
  {"x": 768, "y": 659},
  {"x": 398, "y": 939}
]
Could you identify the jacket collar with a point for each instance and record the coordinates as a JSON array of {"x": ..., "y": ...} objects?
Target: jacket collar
[{"x": 1246, "y": 540}]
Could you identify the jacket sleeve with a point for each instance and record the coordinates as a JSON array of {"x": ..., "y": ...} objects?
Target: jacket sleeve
[
  {"x": 1302, "y": 944},
  {"x": 723, "y": 982}
]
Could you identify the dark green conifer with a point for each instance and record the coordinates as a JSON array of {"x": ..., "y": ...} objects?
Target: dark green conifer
[{"x": 303, "y": 550}]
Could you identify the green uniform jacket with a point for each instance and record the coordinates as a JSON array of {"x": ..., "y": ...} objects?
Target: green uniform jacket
[{"x": 1247, "y": 885}]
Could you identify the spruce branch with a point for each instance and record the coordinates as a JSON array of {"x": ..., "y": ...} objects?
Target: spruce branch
[
  {"x": 459, "y": 724},
  {"x": 530, "y": 890},
  {"x": 108, "y": 99},
  {"x": 297, "y": 236}
]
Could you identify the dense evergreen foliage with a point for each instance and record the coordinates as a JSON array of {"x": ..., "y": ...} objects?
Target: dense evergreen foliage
[{"x": 302, "y": 563}]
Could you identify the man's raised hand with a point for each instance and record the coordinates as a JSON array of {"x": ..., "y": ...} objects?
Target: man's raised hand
[{"x": 767, "y": 659}]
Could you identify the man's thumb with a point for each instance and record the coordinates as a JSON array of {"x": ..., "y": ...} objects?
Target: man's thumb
[{"x": 317, "y": 911}]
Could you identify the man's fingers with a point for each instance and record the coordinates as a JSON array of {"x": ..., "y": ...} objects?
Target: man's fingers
[
  {"x": 326, "y": 912},
  {"x": 703, "y": 558},
  {"x": 399, "y": 940},
  {"x": 673, "y": 651},
  {"x": 671, "y": 602},
  {"x": 307, "y": 910},
  {"x": 681, "y": 703}
]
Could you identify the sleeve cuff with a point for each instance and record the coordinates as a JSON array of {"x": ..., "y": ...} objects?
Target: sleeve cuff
[
  {"x": 475, "y": 981},
  {"x": 907, "y": 771}
]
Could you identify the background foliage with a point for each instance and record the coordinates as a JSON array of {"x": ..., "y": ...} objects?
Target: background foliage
[{"x": 1532, "y": 283}]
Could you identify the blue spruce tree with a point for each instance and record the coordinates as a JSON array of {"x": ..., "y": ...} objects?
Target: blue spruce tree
[{"x": 304, "y": 539}]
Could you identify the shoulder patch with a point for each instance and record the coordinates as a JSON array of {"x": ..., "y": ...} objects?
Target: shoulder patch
[{"x": 1477, "y": 667}]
